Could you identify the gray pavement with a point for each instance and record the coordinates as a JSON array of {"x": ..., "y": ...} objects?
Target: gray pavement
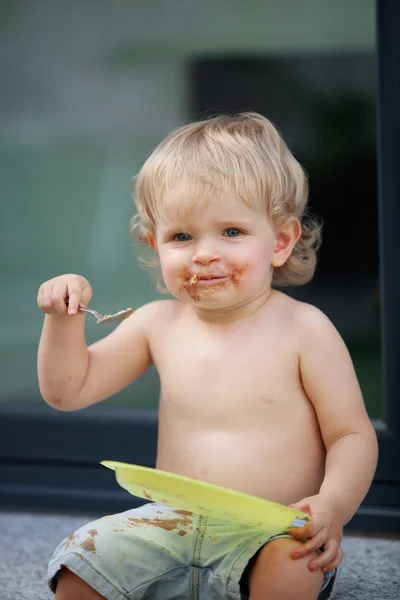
[{"x": 371, "y": 569}]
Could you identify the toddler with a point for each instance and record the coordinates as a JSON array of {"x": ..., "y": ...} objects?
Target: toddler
[{"x": 258, "y": 391}]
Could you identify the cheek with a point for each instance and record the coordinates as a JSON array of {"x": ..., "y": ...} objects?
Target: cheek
[
  {"x": 253, "y": 263},
  {"x": 255, "y": 255},
  {"x": 171, "y": 265}
]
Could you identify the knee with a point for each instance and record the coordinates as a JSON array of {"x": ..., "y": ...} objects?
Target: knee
[
  {"x": 67, "y": 584},
  {"x": 72, "y": 587},
  {"x": 274, "y": 567},
  {"x": 279, "y": 551}
]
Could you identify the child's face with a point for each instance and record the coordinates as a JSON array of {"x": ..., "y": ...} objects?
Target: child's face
[{"x": 220, "y": 257}]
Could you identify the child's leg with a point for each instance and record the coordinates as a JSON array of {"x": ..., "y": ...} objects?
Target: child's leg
[
  {"x": 72, "y": 587},
  {"x": 276, "y": 576}
]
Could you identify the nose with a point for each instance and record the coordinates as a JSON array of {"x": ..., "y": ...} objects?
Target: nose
[{"x": 206, "y": 252}]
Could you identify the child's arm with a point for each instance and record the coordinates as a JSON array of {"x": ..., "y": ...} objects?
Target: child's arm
[
  {"x": 330, "y": 382},
  {"x": 73, "y": 376}
]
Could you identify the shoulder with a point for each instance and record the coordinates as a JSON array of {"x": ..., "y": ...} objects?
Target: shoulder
[
  {"x": 155, "y": 315},
  {"x": 148, "y": 321},
  {"x": 306, "y": 321},
  {"x": 315, "y": 333},
  {"x": 309, "y": 318},
  {"x": 302, "y": 315}
]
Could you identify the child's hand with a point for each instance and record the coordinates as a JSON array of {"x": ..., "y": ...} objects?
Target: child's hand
[
  {"x": 323, "y": 531},
  {"x": 64, "y": 294}
]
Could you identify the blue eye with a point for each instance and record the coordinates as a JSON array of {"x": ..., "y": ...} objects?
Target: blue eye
[
  {"x": 232, "y": 232},
  {"x": 181, "y": 237}
]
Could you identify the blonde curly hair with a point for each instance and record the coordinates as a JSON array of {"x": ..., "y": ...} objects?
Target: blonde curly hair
[{"x": 243, "y": 154}]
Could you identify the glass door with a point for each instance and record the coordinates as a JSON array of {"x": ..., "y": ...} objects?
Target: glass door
[{"x": 78, "y": 120}]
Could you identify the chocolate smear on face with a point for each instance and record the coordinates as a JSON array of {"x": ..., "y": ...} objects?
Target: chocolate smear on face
[
  {"x": 196, "y": 292},
  {"x": 236, "y": 280},
  {"x": 191, "y": 289}
]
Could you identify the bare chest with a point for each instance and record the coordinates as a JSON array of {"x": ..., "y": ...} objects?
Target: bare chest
[{"x": 227, "y": 377}]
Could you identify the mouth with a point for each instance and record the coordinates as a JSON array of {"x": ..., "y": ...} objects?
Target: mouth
[{"x": 207, "y": 279}]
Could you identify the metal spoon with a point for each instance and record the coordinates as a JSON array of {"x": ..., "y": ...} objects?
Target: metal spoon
[{"x": 119, "y": 316}]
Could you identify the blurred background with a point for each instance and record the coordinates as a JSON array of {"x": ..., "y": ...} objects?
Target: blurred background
[{"x": 88, "y": 90}]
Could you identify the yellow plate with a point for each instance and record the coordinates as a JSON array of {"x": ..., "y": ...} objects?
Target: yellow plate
[{"x": 204, "y": 498}]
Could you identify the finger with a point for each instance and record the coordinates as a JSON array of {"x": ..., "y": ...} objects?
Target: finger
[
  {"x": 300, "y": 533},
  {"x": 311, "y": 546},
  {"x": 302, "y": 506},
  {"x": 47, "y": 303},
  {"x": 328, "y": 556},
  {"x": 335, "y": 562},
  {"x": 39, "y": 297},
  {"x": 86, "y": 294},
  {"x": 74, "y": 292},
  {"x": 59, "y": 298},
  {"x": 307, "y": 531}
]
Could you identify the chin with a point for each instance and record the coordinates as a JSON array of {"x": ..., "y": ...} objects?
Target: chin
[{"x": 218, "y": 300}]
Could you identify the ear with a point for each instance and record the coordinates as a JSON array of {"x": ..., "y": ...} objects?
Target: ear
[
  {"x": 151, "y": 241},
  {"x": 285, "y": 240}
]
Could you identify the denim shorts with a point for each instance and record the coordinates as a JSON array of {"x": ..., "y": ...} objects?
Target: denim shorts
[{"x": 162, "y": 553}]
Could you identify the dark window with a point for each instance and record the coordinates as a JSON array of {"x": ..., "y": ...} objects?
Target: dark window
[{"x": 325, "y": 107}]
